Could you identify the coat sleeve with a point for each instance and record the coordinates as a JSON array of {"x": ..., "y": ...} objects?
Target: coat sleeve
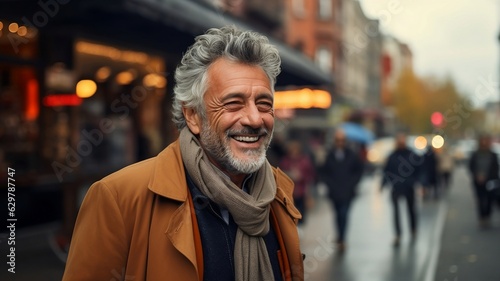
[
  {"x": 358, "y": 169},
  {"x": 494, "y": 166},
  {"x": 99, "y": 245},
  {"x": 471, "y": 164}
]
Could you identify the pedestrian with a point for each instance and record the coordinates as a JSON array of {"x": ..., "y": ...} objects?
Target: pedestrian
[
  {"x": 446, "y": 164},
  {"x": 483, "y": 166},
  {"x": 401, "y": 172},
  {"x": 429, "y": 174},
  {"x": 299, "y": 167},
  {"x": 209, "y": 206},
  {"x": 276, "y": 150},
  {"x": 342, "y": 172}
]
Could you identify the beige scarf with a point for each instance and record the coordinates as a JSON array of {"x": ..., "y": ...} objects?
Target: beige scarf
[{"x": 250, "y": 211}]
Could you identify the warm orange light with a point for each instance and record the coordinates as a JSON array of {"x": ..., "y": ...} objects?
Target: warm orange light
[
  {"x": 112, "y": 52},
  {"x": 302, "y": 98},
  {"x": 13, "y": 27},
  {"x": 32, "y": 106},
  {"x": 103, "y": 74},
  {"x": 22, "y": 31},
  {"x": 86, "y": 88},
  {"x": 1, "y": 25},
  {"x": 124, "y": 78},
  {"x": 420, "y": 142},
  {"x": 153, "y": 80}
]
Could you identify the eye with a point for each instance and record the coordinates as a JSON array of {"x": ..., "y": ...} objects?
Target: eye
[
  {"x": 233, "y": 105},
  {"x": 265, "y": 105}
]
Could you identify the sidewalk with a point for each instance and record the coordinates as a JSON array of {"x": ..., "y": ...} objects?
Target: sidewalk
[
  {"x": 35, "y": 259},
  {"x": 468, "y": 252}
]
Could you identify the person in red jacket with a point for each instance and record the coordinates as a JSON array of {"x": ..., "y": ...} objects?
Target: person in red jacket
[{"x": 298, "y": 166}]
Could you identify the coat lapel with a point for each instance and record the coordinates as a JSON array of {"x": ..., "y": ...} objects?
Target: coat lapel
[
  {"x": 169, "y": 181},
  {"x": 180, "y": 233}
]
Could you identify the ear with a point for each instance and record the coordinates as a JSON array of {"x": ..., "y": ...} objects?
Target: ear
[{"x": 193, "y": 120}]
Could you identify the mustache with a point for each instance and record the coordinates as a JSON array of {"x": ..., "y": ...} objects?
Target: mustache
[{"x": 248, "y": 131}]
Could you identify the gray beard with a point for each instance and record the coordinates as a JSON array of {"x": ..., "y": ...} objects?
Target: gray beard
[{"x": 220, "y": 151}]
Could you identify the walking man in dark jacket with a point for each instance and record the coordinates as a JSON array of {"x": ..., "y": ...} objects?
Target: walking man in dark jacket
[
  {"x": 401, "y": 173},
  {"x": 342, "y": 172},
  {"x": 483, "y": 166}
]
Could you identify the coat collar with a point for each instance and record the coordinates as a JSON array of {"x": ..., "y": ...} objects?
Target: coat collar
[{"x": 169, "y": 177}]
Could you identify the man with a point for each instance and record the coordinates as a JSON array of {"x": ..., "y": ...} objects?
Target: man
[
  {"x": 342, "y": 172},
  {"x": 483, "y": 166},
  {"x": 208, "y": 207},
  {"x": 401, "y": 171}
]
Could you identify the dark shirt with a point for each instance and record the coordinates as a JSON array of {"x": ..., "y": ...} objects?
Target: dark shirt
[
  {"x": 402, "y": 169},
  {"x": 342, "y": 172},
  {"x": 218, "y": 237},
  {"x": 484, "y": 163}
]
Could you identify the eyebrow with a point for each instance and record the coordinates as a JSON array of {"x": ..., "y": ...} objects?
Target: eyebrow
[
  {"x": 265, "y": 96},
  {"x": 242, "y": 96}
]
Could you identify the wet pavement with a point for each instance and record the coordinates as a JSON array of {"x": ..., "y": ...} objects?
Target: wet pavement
[
  {"x": 468, "y": 251},
  {"x": 450, "y": 245},
  {"x": 370, "y": 254},
  {"x": 35, "y": 259}
]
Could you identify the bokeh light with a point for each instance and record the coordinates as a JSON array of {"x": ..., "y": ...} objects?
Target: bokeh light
[
  {"x": 437, "y": 141},
  {"x": 420, "y": 142},
  {"x": 13, "y": 27},
  {"x": 86, "y": 88}
]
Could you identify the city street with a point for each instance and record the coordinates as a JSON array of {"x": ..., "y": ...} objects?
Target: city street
[
  {"x": 370, "y": 255},
  {"x": 450, "y": 245}
]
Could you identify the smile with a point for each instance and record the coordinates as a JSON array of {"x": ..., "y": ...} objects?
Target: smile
[{"x": 246, "y": 139}]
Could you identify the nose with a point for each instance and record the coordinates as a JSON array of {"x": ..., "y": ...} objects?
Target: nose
[{"x": 252, "y": 117}]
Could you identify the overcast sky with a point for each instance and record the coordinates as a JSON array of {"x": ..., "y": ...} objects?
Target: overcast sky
[{"x": 447, "y": 37}]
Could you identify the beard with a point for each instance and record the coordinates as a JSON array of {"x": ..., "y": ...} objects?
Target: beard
[{"x": 219, "y": 149}]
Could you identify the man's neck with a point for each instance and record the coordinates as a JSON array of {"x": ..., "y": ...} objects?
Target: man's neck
[{"x": 237, "y": 178}]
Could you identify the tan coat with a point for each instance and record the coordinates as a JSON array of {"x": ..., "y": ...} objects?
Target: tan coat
[{"x": 136, "y": 224}]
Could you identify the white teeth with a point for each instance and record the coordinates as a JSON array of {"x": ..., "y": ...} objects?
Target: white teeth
[{"x": 246, "y": 139}]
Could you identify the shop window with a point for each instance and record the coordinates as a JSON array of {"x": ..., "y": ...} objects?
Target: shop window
[
  {"x": 19, "y": 97},
  {"x": 298, "y": 8},
  {"x": 130, "y": 87},
  {"x": 323, "y": 58},
  {"x": 19, "y": 111},
  {"x": 17, "y": 40},
  {"x": 324, "y": 9}
]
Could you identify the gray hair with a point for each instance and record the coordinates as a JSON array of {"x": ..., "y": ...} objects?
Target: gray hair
[{"x": 227, "y": 42}]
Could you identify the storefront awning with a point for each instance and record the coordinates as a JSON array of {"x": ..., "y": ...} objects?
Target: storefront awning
[
  {"x": 184, "y": 18},
  {"x": 195, "y": 17}
]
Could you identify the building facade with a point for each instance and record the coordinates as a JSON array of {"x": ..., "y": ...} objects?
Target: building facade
[
  {"x": 314, "y": 29},
  {"x": 396, "y": 58},
  {"x": 361, "y": 48}
]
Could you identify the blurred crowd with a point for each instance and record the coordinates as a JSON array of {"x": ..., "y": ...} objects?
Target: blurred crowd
[{"x": 338, "y": 161}]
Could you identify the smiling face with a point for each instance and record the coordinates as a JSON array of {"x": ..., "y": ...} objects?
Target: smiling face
[{"x": 239, "y": 117}]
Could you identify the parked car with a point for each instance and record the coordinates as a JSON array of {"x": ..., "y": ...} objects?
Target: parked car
[{"x": 463, "y": 149}]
